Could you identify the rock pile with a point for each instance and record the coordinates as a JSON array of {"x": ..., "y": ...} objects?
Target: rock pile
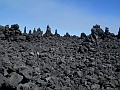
[
  {"x": 118, "y": 36},
  {"x": 37, "y": 61}
]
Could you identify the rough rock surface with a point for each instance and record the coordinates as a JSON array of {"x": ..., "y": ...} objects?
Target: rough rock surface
[{"x": 54, "y": 62}]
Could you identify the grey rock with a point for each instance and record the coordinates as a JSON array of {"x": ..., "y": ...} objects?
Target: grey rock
[
  {"x": 32, "y": 53},
  {"x": 82, "y": 87},
  {"x": 80, "y": 73},
  {"x": 14, "y": 79},
  {"x": 2, "y": 36},
  {"x": 27, "y": 72},
  {"x": 95, "y": 87},
  {"x": 28, "y": 86},
  {"x": 2, "y": 79}
]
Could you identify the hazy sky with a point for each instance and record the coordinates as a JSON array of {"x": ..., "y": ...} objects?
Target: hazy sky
[{"x": 73, "y": 16}]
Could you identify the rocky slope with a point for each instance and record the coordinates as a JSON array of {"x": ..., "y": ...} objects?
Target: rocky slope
[{"x": 37, "y": 61}]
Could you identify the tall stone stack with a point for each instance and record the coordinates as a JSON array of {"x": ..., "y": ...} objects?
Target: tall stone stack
[
  {"x": 30, "y": 32},
  {"x": 15, "y": 32},
  {"x": 48, "y": 32},
  {"x": 56, "y": 33},
  {"x": 37, "y": 34},
  {"x": 25, "y": 30},
  {"x": 67, "y": 35},
  {"x": 118, "y": 36},
  {"x": 97, "y": 32}
]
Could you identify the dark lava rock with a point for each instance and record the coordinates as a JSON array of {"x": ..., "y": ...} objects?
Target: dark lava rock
[
  {"x": 56, "y": 33},
  {"x": 37, "y": 61},
  {"x": 67, "y": 35},
  {"x": 48, "y": 32},
  {"x": 83, "y": 35},
  {"x": 14, "y": 27},
  {"x": 118, "y": 36}
]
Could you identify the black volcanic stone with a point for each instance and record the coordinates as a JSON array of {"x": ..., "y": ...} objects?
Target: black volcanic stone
[
  {"x": 2, "y": 28},
  {"x": 67, "y": 35},
  {"x": 37, "y": 61},
  {"x": 56, "y": 33},
  {"x": 83, "y": 35},
  {"x": 15, "y": 27},
  {"x": 118, "y": 36},
  {"x": 7, "y": 27},
  {"x": 48, "y": 32},
  {"x": 25, "y": 30}
]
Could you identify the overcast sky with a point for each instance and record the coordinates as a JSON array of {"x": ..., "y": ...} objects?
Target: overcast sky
[{"x": 73, "y": 16}]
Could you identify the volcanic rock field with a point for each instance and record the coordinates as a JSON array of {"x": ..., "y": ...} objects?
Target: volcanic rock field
[{"x": 37, "y": 61}]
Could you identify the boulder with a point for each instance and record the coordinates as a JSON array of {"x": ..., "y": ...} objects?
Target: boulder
[
  {"x": 27, "y": 73},
  {"x": 2, "y": 28},
  {"x": 15, "y": 27},
  {"x": 14, "y": 79},
  {"x": 22, "y": 38},
  {"x": 2, "y": 79},
  {"x": 82, "y": 49},
  {"x": 28, "y": 86},
  {"x": 2, "y": 36},
  {"x": 95, "y": 87}
]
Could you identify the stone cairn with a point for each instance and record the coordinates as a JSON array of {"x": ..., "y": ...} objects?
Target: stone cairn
[{"x": 13, "y": 33}]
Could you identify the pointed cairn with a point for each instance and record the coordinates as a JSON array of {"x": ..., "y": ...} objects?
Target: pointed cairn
[
  {"x": 25, "y": 30},
  {"x": 34, "y": 31},
  {"x": 56, "y": 34},
  {"x": 83, "y": 36},
  {"x": 118, "y": 36},
  {"x": 30, "y": 32},
  {"x": 39, "y": 32},
  {"x": 107, "y": 31},
  {"x": 67, "y": 35},
  {"x": 48, "y": 32}
]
